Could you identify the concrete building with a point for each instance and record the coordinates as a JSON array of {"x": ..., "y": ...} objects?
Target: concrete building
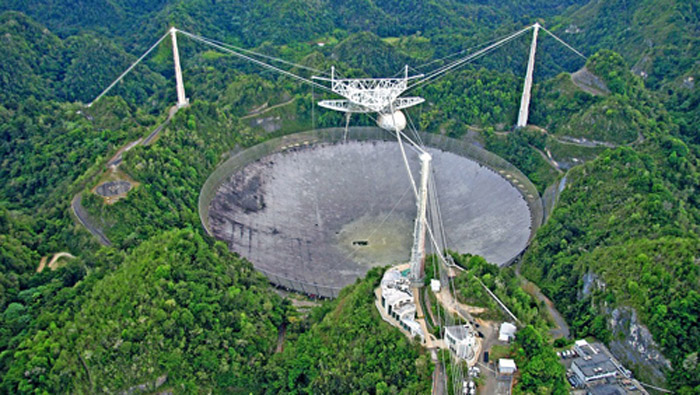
[
  {"x": 398, "y": 301},
  {"x": 593, "y": 367},
  {"x": 583, "y": 348},
  {"x": 507, "y": 332},
  {"x": 607, "y": 389},
  {"x": 460, "y": 339},
  {"x": 506, "y": 366}
]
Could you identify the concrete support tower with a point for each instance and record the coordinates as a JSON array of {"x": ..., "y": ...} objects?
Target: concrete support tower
[
  {"x": 181, "y": 99},
  {"x": 420, "y": 227},
  {"x": 527, "y": 87}
]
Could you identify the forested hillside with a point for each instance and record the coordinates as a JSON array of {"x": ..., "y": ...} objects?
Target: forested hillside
[
  {"x": 628, "y": 223},
  {"x": 177, "y": 310},
  {"x": 347, "y": 348},
  {"x": 42, "y": 65},
  {"x": 165, "y": 307}
]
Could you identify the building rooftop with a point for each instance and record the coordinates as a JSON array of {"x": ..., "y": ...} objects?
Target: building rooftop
[
  {"x": 405, "y": 306},
  {"x": 459, "y": 332},
  {"x": 606, "y": 389},
  {"x": 395, "y": 287},
  {"x": 398, "y": 300},
  {"x": 595, "y": 364},
  {"x": 415, "y": 326},
  {"x": 507, "y": 331},
  {"x": 505, "y": 363},
  {"x": 393, "y": 295},
  {"x": 584, "y": 348}
]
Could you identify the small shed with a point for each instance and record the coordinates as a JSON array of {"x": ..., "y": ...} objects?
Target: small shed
[
  {"x": 506, "y": 366},
  {"x": 435, "y": 285}
]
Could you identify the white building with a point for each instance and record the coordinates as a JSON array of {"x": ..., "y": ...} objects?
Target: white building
[
  {"x": 583, "y": 348},
  {"x": 507, "y": 332},
  {"x": 398, "y": 301},
  {"x": 435, "y": 285},
  {"x": 461, "y": 341},
  {"x": 593, "y": 367},
  {"x": 506, "y": 366}
]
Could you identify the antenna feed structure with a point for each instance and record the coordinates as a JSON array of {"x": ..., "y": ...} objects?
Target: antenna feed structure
[
  {"x": 372, "y": 95},
  {"x": 393, "y": 122}
]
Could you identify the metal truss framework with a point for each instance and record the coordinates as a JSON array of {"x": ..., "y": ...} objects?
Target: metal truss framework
[{"x": 370, "y": 95}]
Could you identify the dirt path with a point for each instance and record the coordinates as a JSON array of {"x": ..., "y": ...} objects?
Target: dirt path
[
  {"x": 448, "y": 303},
  {"x": 42, "y": 263},
  {"x": 53, "y": 265},
  {"x": 57, "y": 256},
  {"x": 583, "y": 142},
  {"x": 548, "y": 158}
]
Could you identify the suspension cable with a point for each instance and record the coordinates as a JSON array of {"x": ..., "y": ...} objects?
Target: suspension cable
[
  {"x": 473, "y": 56},
  {"x": 115, "y": 82},
  {"x": 564, "y": 43},
  {"x": 459, "y": 53},
  {"x": 256, "y": 61},
  {"x": 440, "y": 72},
  {"x": 250, "y": 52},
  {"x": 403, "y": 155}
]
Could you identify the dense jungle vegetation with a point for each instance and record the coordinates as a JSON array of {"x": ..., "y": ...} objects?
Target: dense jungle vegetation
[
  {"x": 167, "y": 307},
  {"x": 631, "y": 219},
  {"x": 346, "y": 348}
]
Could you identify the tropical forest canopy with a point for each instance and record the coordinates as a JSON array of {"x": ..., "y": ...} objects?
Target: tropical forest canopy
[{"x": 165, "y": 303}]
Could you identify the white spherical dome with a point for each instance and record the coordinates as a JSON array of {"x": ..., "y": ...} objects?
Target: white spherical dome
[{"x": 395, "y": 122}]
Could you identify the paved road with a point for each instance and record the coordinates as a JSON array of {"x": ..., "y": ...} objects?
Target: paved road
[
  {"x": 171, "y": 113},
  {"x": 583, "y": 142},
  {"x": 561, "y": 329},
  {"x": 82, "y": 216},
  {"x": 439, "y": 379},
  {"x": 116, "y": 160}
]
